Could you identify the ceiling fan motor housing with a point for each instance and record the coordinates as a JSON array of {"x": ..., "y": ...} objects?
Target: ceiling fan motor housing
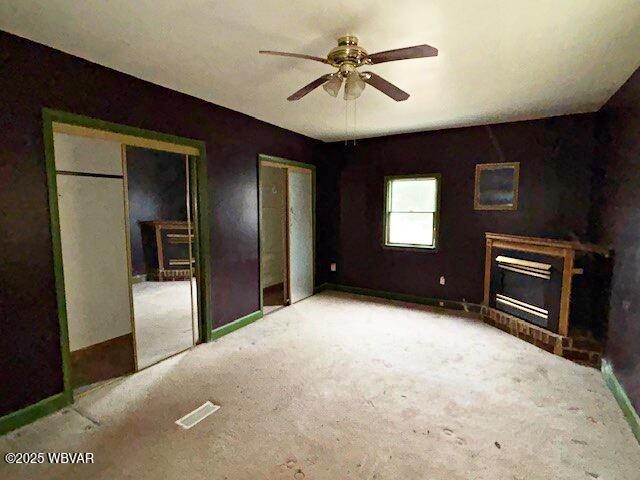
[{"x": 347, "y": 52}]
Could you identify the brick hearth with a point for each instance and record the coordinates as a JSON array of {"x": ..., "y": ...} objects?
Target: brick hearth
[{"x": 584, "y": 351}]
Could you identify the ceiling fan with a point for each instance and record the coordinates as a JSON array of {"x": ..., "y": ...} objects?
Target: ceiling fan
[{"x": 347, "y": 57}]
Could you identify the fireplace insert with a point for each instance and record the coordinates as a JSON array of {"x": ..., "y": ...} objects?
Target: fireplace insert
[{"x": 527, "y": 285}]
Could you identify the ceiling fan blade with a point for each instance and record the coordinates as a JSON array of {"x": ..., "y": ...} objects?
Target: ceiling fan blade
[
  {"x": 389, "y": 89},
  {"x": 307, "y": 88},
  {"x": 296, "y": 55},
  {"x": 419, "y": 51}
]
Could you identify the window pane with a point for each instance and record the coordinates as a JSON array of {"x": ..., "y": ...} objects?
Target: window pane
[
  {"x": 413, "y": 195},
  {"x": 411, "y": 228}
]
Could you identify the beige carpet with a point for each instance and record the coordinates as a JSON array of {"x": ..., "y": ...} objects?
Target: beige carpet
[
  {"x": 162, "y": 314},
  {"x": 346, "y": 387},
  {"x": 267, "y": 309}
]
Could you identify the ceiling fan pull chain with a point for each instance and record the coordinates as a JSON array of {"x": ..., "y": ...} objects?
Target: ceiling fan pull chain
[
  {"x": 355, "y": 120},
  {"x": 350, "y": 121},
  {"x": 346, "y": 123}
]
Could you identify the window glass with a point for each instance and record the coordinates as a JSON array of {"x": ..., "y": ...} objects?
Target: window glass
[
  {"x": 411, "y": 213},
  {"x": 411, "y": 228},
  {"x": 413, "y": 195}
]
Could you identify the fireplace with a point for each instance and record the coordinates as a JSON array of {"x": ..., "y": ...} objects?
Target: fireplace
[{"x": 529, "y": 284}]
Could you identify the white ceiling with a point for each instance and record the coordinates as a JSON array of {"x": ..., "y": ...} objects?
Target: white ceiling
[{"x": 500, "y": 60}]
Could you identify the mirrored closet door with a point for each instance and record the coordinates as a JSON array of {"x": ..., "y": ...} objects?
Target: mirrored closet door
[{"x": 162, "y": 235}]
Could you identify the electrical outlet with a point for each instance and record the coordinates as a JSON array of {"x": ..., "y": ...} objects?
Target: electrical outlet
[
  {"x": 442, "y": 280},
  {"x": 334, "y": 267}
]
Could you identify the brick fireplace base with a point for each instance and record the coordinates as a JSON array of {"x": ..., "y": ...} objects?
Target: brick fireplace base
[{"x": 584, "y": 351}]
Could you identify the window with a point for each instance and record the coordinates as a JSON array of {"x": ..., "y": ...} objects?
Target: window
[{"x": 411, "y": 211}]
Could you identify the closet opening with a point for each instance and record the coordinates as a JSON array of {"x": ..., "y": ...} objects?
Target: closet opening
[
  {"x": 287, "y": 251},
  {"x": 130, "y": 257},
  {"x": 273, "y": 233}
]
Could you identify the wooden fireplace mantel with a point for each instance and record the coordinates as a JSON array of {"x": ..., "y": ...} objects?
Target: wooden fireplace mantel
[
  {"x": 558, "y": 248},
  {"x": 549, "y": 242}
]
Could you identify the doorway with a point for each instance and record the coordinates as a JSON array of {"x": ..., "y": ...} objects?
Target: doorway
[
  {"x": 287, "y": 213},
  {"x": 114, "y": 321}
]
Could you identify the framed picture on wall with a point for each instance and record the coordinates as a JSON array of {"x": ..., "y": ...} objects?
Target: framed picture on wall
[{"x": 496, "y": 186}]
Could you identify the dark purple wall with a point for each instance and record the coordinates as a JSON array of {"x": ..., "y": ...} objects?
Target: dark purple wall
[
  {"x": 33, "y": 76},
  {"x": 619, "y": 226},
  {"x": 555, "y": 156},
  {"x": 329, "y": 159},
  {"x": 157, "y": 187}
]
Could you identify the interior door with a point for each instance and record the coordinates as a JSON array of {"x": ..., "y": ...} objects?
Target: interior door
[
  {"x": 94, "y": 255},
  {"x": 300, "y": 234}
]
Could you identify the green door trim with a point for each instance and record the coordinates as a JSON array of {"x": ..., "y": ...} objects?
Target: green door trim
[
  {"x": 292, "y": 163},
  {"x": 199, "y": 167}
]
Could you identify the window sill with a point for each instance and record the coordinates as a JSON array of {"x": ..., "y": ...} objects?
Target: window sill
[{"x": 409, "y": 248}]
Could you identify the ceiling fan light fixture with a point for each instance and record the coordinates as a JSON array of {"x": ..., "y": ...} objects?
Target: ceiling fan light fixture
[
  {"x": 353, "y": 86},
  {"x": 332, "y": 87}
]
